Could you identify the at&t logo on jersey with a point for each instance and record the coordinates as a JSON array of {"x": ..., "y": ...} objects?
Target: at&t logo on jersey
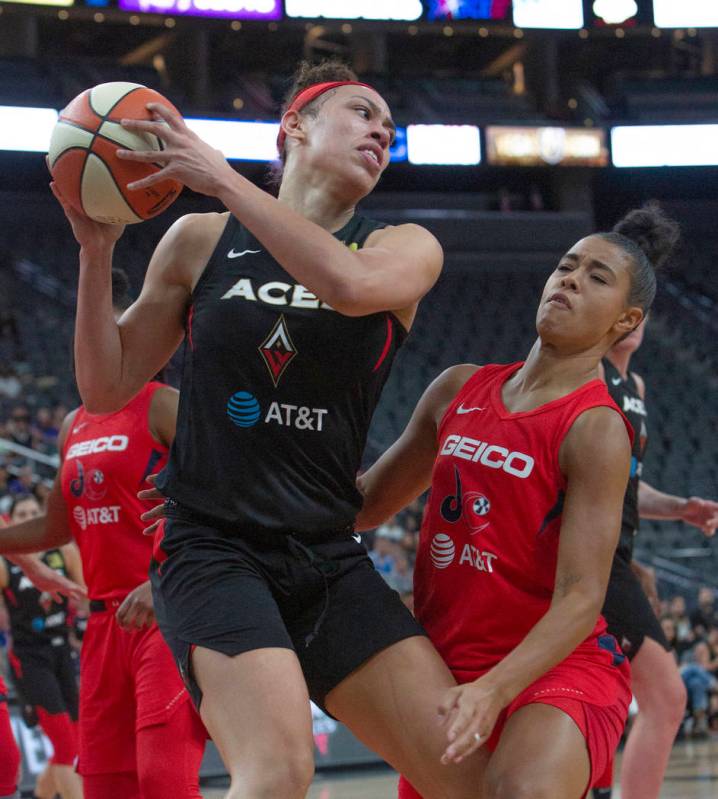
[
  {"x": 490, "y": 455},
  {"x": 87, "y": 516},
  {"x": 102, "y": 444},
  {"x": 443, "y": 553},
  {"x": 244, "y": 410}
]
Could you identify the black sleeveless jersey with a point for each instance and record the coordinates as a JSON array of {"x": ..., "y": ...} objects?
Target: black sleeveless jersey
[
  {"x": 35, "y": 618},
  {"x": 625, "y": 394},
  {"x": 277, "y": 394}
]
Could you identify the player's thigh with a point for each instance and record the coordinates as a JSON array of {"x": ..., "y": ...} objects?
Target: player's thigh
[
  {"x": 255, "y": 705},
  {"x": 391, "y": 703},
  {"x": 656, "y": 681},
  {"x": 541, "y": 754}
]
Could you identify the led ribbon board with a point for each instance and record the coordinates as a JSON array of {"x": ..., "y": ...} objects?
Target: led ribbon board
[
  {"x": 545, "y": 146},
  {"x": 664, "y": 145},
  {"x": 449, "y": 145},
  {"x": 234, "y": 9},
  {"x": 567, "y": 14},
  {"x": 685, "y": 13},
  {"x": 356, "y": 9},
  {"x": 447, "y": 10}
]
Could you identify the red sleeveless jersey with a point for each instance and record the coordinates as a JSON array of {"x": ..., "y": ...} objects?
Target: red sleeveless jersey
[
  {"x": 106, "y": 459},
  {"x": 486, "y": 564}
]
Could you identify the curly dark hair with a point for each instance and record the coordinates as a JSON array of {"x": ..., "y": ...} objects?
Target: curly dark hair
[{"x": 649, "y": 236}]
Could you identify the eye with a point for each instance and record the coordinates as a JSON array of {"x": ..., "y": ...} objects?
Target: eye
[
  {"x": 563, "y": 268},
  {"x": 364, "y": 111},
  {"x": 599, "y": 279}
]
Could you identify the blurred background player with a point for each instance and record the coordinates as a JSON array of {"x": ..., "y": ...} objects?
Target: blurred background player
[
  {"x": 632, "y": 599},
  {"x": 41, "y": 658},
  {"x": 140, "y": 737}
]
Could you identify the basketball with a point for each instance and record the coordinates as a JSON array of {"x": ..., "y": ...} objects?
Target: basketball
[{"x": 82, "y": 156}]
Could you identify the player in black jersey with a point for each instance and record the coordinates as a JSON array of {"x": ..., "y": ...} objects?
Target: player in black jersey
[
  {"x": 292, "y": 310},
  {"x": 656, "y": 682},
  {"x": 41, "y": 661}
]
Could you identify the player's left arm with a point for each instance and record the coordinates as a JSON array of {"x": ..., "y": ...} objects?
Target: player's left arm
[{"x": 590, "y": 525}]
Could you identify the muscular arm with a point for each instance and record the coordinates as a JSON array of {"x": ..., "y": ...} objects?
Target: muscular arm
[
  {"x": 404, "y": 471},
  {"x": 391, "y": 274},
  {"x": 589, "y": 533},
  {"x": 113, "y": 360}
]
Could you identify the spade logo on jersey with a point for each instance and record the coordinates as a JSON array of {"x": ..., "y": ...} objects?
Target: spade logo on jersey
[{"x": 278, "y": 350}]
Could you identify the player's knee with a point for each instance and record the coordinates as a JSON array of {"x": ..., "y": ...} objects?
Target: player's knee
[
  {"x": 667, "y": 702},
  {"x": 513, "y": 785},
  {"x": 288, "y": 776}
]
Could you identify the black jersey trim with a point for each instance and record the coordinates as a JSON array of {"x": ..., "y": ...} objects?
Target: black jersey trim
[{"x": 222, "y": 244}]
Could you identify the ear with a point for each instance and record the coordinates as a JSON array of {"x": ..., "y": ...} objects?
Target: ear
[
  {"x": 628, "y": 321},
  {"x": 293, "y": 125}
]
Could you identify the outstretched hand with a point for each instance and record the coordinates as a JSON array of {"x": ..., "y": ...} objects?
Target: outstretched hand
[
  {"x": 701, "y": 513},
  {"x": 469, "y": 713},
  {"x": 52, "y": 582},
  {"x": 185, "y": 156},
  {"x": 154, "y": 516}
]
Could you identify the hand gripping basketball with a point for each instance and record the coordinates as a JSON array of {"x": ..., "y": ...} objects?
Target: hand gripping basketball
[{"x": 185, "y": 158}]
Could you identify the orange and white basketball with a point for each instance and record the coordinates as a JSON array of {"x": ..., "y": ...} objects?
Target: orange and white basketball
[{"x": 82, "y": 155}]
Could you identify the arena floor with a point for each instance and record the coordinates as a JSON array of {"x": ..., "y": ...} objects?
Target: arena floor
[{"x": 692, "y": 774}]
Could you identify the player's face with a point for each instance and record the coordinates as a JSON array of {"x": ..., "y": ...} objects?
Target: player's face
[
  {"x": 585, "y": 300},
  {"x": 350, "y": 136},
  {"x": 27, "y": 509}
]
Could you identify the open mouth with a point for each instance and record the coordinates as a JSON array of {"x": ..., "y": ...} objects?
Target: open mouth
[
  {"x": 372, "y": 156},
  {"x": 560, "y": 300}
]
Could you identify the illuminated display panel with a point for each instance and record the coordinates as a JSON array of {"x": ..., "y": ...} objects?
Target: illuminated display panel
[
  {"x": 388, "y": 10},
  {"x": 685, "y": 13},
  {"x": 545, "y": 146},
  {"x": 566, "y": 14},
  {"x": 64, "y": 3},
  {"x": 446, "y": 10},
  {"x": 234, "y": 9},
  {"x": 664, "y": 145},
  {"x": 448, "y": 145}
]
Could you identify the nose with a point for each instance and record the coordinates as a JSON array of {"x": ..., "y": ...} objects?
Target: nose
[
  {"x": 381, "y": 135},
  {"x": 569, "y": 281}
]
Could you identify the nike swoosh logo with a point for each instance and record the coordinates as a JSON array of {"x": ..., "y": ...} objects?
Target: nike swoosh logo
[
  {"x": 461, "y": 409},
  {"x": 233, "y": 254},
  {"x": 79, "y": 427},
  {"x": 356, "y": 537},
  {"x": 616, "y": 381}
]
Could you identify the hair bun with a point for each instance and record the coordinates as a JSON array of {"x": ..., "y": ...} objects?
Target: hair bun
[{"x": 652, "y": 230}]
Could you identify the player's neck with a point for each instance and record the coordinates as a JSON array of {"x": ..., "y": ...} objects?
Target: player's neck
[
  {"x": 546, "y": 369},
  {"x": 620, "y": 360},
  {"x": 317, "y": 198}
]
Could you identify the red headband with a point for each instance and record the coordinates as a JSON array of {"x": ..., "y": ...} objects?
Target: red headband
[{"x": 308, "y": 95}]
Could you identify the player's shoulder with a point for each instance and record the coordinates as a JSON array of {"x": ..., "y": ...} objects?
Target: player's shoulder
[
  {"x": 66, "y": 427},
  {"x": 444, "y": 388}
]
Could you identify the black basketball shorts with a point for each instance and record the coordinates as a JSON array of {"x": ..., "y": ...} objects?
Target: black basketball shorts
[
  {"x": 628, "y": 612},
  {"x": 44, "y": 677},
  {"x": 236, "y": 594}
]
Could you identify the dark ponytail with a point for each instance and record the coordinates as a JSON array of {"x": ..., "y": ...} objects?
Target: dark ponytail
[{"x": 649, "y": 237}]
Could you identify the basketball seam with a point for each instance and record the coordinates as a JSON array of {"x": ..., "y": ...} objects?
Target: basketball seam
[
  {"x": 103, "y": 119},
  {"x": 114, "y": 180}
]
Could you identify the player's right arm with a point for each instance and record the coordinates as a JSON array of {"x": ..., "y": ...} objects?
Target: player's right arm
[
  {"x": 113, "y": 360},
  {"x": 404, "y": 471}
]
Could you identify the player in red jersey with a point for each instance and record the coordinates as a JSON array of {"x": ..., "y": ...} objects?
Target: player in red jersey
[
  {"x": 528, "y": 465},
  {"x": 140, "y": 737}
]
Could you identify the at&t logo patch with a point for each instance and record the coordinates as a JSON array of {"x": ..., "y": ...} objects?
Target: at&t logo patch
[{"x": 442, "y": 551}]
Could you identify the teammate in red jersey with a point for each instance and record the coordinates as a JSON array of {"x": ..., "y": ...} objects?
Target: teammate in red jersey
[
  {"x": 528, "y": 465},
  {"x": 140, "y": 737}
]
